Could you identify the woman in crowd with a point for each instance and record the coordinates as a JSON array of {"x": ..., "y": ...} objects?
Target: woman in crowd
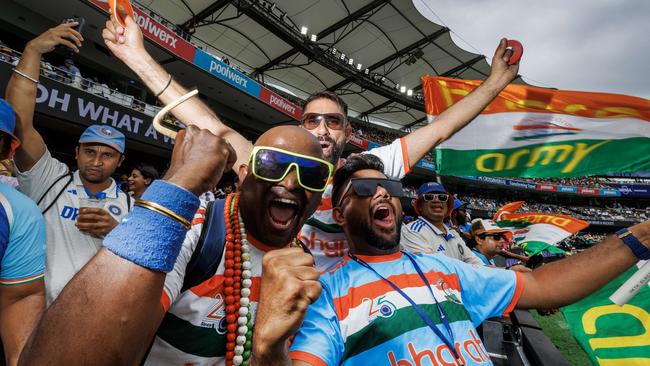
[{"x": 141, "y": 177}]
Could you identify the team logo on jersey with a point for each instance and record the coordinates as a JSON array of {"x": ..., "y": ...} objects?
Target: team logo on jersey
[
  {"x": 448, "y": 291},
  {"x": 116, "y": 211},
  {"x": 380, "y": 308},
  {"x": 216, "y": 318}
]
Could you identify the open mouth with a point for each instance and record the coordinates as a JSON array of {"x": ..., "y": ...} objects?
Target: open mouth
[
  {"x": 282, "y": 212},
  {"x": 382, "y": 216},
  {"x": 436, "y": 208},
  {"x": 325, "y": 145}
]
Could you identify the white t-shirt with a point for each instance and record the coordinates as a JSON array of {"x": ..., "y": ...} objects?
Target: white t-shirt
[
  {"x": 68, "y": 249},
  {"x": 421, "y": 236},
  {"x": 321, "y": 234}
]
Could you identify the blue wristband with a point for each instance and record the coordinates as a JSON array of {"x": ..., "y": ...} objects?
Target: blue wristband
[
  {"x": 640, "y": 251},
  {"x": 148, "y": 238}
]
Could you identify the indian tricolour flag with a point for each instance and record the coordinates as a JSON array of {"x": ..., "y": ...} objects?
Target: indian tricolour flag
[
  {"x": 534, "y": 132},
  {"x": 535, "y": 232}
]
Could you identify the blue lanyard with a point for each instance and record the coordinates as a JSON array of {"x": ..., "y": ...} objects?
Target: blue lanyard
[{"x": 417, "y": 308}]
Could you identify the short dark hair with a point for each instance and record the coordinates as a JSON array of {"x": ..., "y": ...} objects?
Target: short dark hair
[
  {"x": 351, "y": 166},
  {"x": 147, "y": 171},
  {"x": 326, "y": 94}
]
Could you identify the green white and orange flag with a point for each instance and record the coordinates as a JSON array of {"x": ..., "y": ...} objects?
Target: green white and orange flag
[
  {"x": 613, "y": 335},
  {"x": 535, "y": 232},
  {"x": 534, "y": 132}
]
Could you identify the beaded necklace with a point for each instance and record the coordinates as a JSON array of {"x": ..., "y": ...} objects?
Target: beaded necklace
[
  {"x": 237, "y": 290},
  {"x": 239, "y": 330}
]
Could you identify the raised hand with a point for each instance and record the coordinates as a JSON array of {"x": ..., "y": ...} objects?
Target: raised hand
[
  {"x": 501, "y": 70},
  {"x": 199, "y": 160},
  {"x": 126, "y": 43},
  {"x": 62, "y": 34},
  {"x": 289, "y": 285}
]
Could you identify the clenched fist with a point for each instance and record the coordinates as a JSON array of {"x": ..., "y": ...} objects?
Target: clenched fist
[
  {"x": 199, "y": 160},
  {"x": 289, "y": 285},
  {"x": 502, "y": 72}
]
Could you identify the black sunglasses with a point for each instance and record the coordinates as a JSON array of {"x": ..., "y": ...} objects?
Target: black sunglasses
[
  {"x": 496, "y": 236},
  {"x": 366, "y": 187},
  {"x": 442, "y": 197}
]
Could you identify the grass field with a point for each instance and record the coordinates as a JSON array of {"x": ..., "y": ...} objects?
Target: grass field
[{"x": 557, "y": 330}]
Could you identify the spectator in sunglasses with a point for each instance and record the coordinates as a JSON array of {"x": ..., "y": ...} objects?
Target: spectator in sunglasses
[
  {"x": 488, "y": 240},
  {"x": 429, "y": 233},
  {"x": 383, "y": 306}
]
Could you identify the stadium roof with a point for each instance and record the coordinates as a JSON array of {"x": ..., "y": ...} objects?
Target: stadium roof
[{"x": 389, "y": 38}]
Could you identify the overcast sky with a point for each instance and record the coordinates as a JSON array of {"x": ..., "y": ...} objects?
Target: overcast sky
[{"x": 589, "y": 45}]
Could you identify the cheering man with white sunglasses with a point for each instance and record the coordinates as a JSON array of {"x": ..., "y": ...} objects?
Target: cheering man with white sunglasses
[{"x": 428, "y": 233}]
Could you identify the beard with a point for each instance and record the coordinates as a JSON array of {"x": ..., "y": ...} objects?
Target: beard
[
  {"x": 374, "y": 238},
  {"x": 337, "y": 149},
  {"x": 382, "y": 243}
]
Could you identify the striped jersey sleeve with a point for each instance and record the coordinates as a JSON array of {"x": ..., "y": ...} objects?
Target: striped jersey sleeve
[
  {"x": 319, "y": 340},
  {"x": 23, "y": 230},
  {"x": 414, "y": 237}
]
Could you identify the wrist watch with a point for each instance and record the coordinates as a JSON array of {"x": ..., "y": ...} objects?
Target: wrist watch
[{"x": 640, "y": 251}]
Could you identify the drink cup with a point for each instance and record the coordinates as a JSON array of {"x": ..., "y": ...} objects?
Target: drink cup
[{"x": 86, "y": 202}]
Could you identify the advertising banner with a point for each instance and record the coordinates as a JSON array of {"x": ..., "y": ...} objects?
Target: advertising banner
[
  {"x": 158, "y": 33},
  {"x": 546, "y": 187},
  {"x": 425, "y": 164},
  {"x": 280, "y": 104},
  {"x": 76, "y": 106},
  {"x": 566, "y": 189},
  {"x": 226, "y": 73},
  {"x": 358, "y": 141},
  {"x": 632, "y": 190}
]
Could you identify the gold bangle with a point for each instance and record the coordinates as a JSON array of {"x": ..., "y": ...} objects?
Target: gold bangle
[{"x": 164, "y": 211}]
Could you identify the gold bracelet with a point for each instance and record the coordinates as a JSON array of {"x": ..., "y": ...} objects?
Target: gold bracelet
[{"x": 164, "y": 211}]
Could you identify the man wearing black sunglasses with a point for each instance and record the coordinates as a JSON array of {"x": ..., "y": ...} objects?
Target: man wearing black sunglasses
[
  {"x": 429, "y": 233},
  {"x": 383, "y": 306},
  {"x": 488, "y": 240},
  {"x": 281, "y": 187}
]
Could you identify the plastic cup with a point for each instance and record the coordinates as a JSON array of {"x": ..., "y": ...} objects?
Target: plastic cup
[{"x": 86, "y": 202}]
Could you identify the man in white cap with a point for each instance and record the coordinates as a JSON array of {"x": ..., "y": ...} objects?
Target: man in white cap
[
  {"x": 73, "y": 237},
  {"x": 488, "y": 240}
]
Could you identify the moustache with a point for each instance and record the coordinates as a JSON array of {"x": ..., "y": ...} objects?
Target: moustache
[{"x": 326, "y": 139}]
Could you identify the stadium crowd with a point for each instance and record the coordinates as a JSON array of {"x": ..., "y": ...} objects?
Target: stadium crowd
[
  {"x": 615, "y": 212},
  {"x": 96, "y": 259}
]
